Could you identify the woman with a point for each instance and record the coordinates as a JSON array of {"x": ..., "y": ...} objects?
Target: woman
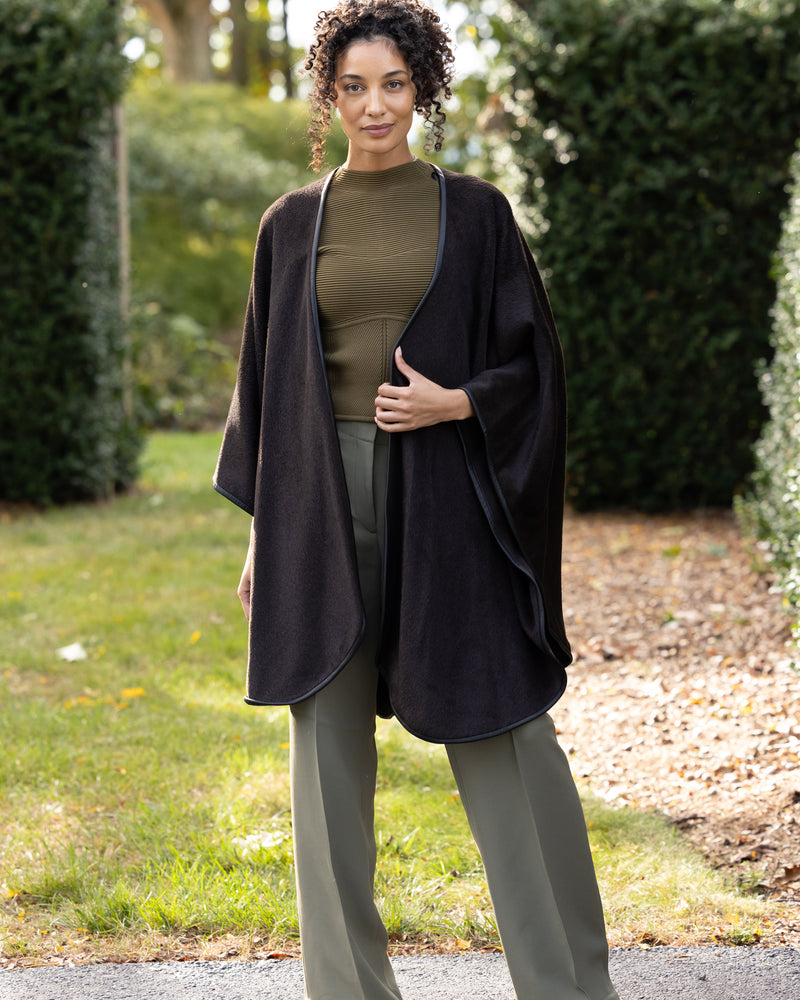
[{"x": 397, "y": 431}]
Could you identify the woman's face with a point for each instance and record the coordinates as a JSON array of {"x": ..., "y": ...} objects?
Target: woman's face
[{"x": 375, "y": 100}]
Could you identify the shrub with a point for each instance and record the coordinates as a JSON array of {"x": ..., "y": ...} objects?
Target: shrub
[
  {"x": 654, "y": 139},
  {"x": 772, "y": 510},
  {"x": 205, "y": 163},
  {"x": 64, "y": 430}
]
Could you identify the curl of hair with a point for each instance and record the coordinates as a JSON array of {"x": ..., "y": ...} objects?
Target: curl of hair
[{"x": 420, "y": 37}]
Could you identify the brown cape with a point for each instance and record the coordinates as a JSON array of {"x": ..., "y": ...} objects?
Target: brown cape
[{"x": 473, "y": 638}]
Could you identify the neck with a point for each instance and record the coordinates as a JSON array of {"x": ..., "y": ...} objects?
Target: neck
[{"x": 359, "y": 160}]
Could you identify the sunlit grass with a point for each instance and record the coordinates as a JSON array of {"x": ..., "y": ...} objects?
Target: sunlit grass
[
  {"x": 657, "y": 890},
  {"x": 142, "y": 800}
]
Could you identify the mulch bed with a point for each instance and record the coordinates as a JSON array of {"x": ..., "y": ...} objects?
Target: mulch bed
[{"x": 685, "y": 694}]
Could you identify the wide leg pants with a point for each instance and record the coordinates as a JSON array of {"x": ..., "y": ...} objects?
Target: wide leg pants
[{"x": 517, "y": 789}]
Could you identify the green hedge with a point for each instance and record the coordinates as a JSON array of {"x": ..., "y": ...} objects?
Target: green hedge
[
  {"x": 64, "y": 434},
  {"x": 205, "y": 163},
  {"x": 772, "y": 510},
  {"x": 654, "y": 138}
]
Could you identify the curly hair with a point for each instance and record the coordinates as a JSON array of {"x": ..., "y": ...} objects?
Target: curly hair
[{"x": 417, "y": 32}]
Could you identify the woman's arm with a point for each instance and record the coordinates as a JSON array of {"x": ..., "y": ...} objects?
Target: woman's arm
[
  {"x": 247, "y": 575},
  {"x": 421, "y": 403}
]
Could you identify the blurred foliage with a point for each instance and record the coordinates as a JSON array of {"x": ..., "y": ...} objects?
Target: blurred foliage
[
  {"x": 205, "y": 163},
  {"x": 772, "y": 510},
  {"x": 245, "y": 44},
  {"x": 653, "y": 139},
  {"x": 64, "y": 431},
  {"x": 467, "y": 143}
]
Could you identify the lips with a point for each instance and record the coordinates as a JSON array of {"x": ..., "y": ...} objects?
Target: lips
[{"x": 378, "y": 130}]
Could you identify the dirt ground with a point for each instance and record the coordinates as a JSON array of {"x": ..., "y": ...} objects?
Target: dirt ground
[{"x": 685, "y": 694}]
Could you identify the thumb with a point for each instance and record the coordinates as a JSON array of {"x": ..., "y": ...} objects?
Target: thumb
[{"x": 402, "y": 364}]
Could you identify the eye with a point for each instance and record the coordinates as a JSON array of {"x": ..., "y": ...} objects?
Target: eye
[{"x": 395, "y": 84}]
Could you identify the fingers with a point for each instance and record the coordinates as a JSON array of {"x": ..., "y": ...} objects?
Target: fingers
[
  {"x": 393, "y": 394},
  {"x": 393, "y": 412},
  {"x": 244, "y": 597},
  {"x": 245, "y": 583},
  {"x": 390, "y": 427},
  {"x": 394, "y": 407},
  {"x": 408, "y": 407},
  {"x": 392, "y": 423},
  {"x": 390, "y": 393}
]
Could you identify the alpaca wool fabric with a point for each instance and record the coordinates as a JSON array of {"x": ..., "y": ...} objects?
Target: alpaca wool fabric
[{"x": 472, "y": 638}]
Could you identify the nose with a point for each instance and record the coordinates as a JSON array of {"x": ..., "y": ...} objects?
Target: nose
[{"x": 375, "y": 102}]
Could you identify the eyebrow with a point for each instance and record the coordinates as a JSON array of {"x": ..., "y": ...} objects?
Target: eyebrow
[{"x": 357, "y": 76}]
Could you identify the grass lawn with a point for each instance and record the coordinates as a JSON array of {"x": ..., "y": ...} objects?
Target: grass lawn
[{"x": 145, "y": 807}]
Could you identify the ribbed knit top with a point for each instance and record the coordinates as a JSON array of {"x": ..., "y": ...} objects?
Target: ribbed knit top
[{"x": 376, "y": 258}]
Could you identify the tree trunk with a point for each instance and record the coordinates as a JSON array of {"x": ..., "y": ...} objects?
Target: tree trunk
[
  {"x": 184, "y": 25},
  {"x": 240, "y": 44},
  {"x": 120, "y": 156},
  {"x": 288, "y": 68}
]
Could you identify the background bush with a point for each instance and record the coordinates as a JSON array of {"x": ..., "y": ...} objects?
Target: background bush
[
  {"x": 772, "y": 510},
  {"x": 205, "y": 163},
  {"x": 654, "y": 139},
  {"x": 64, "y": 430}
]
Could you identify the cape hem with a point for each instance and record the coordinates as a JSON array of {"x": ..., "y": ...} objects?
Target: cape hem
[
  {"x": 439, "y": 740},
  {"x": 233, "y": 499}
]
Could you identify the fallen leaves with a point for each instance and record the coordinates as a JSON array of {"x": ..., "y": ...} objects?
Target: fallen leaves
[
  {"x": 90, "y": 698},
  {"x": 684, "y": 697},
  {"x": 135, "y": 692},
  {"x": 156, "y": 946},
  {"x": 791, "y": 873}
]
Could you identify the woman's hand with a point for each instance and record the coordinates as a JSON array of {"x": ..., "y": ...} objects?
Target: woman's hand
[
  {"x": 246, "y": 580},
  {"x": 421, "y": 403}
]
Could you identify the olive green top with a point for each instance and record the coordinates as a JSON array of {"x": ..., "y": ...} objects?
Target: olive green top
[{"x": 376, "y": 258}]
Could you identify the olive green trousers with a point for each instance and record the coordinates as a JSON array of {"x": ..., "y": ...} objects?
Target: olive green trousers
[{"x": 517, "y": 789}]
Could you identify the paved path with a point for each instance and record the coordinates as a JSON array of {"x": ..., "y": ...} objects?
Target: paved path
[{"x": 658, "y": 974}]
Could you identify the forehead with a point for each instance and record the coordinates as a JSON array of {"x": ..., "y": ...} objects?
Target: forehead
[{"x": 371, "y": 54}]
